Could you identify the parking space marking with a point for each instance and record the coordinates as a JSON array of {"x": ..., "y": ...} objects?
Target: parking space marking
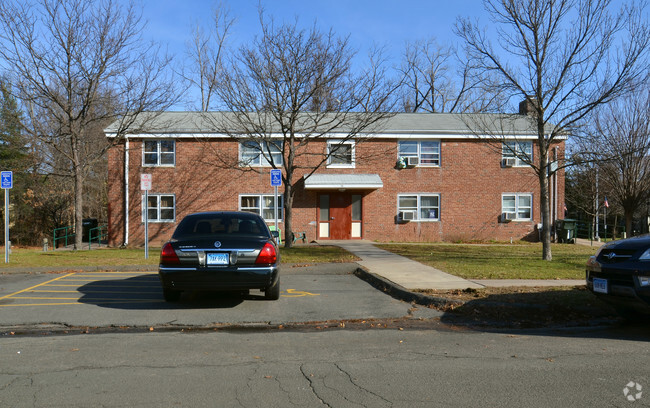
[
  {"x": 299, "y": 293},
  {"x": 35, "y": 286},
  {"x": 101, "y": 288},
  {"x": 89, "y": 286}
]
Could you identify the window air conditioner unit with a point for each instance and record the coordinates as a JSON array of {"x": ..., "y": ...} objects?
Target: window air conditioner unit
[
  {"x": 508, "y": 216},
  {"x": 406, "y": 215},
  {"x": 412, "y": 161},
  {"x": 509, "y": 162}
]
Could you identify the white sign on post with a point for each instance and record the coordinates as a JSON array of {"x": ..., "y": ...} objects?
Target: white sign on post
[{"x": 145, "y": 184}]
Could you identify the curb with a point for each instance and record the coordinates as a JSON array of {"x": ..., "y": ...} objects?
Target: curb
[{"x": 401, "y": 293}]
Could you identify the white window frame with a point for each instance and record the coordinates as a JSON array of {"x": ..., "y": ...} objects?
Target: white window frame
[
  {"x": 261, "y": 152},
  {"x": 352, "y": 145},
  {"x": 158, "y": 152},
  {"x": 419, "y": 154},
  {"x": 418, "y": 208},
  {"x": 517, "y": 149},
  {"x": 518, "y": 209},
  {"x": 158, "y": 209},
  {"x": 259, "y": 210}
]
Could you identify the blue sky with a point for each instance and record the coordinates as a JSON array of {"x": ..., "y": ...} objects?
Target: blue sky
[{"x": 386, "y": 23}]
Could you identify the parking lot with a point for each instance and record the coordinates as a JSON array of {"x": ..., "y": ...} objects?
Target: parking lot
[{"x": 132, "y": 298}]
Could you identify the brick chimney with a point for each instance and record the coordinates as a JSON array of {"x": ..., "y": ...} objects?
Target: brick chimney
[{"x": 527, "y": 107}]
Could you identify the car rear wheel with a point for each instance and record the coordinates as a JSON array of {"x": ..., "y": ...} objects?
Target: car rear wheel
[
  {"x": 273, "y": 291},
  {"x": 171, "y": 295}
]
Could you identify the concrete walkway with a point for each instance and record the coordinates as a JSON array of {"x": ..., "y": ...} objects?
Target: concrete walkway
[{"x": 412, "y": 275}]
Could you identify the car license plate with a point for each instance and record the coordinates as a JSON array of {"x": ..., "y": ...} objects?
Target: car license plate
[
  {"x": 217, "y": 258},
  {"x": 600, "y": 285}
]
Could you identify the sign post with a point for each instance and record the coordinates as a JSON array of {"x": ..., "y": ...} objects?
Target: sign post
[
  {"x": 7, "y": 183},
  {"x": 145, "y": 184},
  {"x": 276, "y": 181}
]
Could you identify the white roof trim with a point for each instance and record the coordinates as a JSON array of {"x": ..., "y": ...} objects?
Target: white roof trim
[{"x": 343, "y": 181}]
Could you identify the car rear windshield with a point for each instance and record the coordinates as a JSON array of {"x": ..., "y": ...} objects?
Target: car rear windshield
[{"x": 221, "y": 224}]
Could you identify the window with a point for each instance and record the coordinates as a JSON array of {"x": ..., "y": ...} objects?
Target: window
[
  {"x": 341, "y": 153},
  {"x": 422, "y": 207},
  {"x": 519, "y": 152},
  {"x": 159, "y": 153},
  {"x": 254, "y": 153},
  {"x": 262, "y": 205},
  {"x": 427, "y": 151},
  {"x": 161, "y": 208},
  {"x": 518, "y": 206}
]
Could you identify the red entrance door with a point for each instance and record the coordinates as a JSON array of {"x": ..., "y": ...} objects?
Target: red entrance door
[
  {"x": 335, "y": 216},
  {"x": 340, "y": 216}
]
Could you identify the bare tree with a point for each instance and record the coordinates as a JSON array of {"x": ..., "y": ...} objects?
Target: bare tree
[
  {"x": 564, "y": 58},
  {"x": 619, "y": 144},
  {"x": 206, "y": 55},
  {"x": 76, "y": 66},
  {"x": 437, "y": 79},
  {"x": 292, "y": 87}
]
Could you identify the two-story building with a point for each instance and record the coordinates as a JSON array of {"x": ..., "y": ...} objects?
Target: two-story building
[{"x": 418, "y": 177}]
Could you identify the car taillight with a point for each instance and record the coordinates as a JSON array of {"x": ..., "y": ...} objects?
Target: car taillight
[
  {"x": 267, "y": 255},
  {"x": 168, "y": 255}
]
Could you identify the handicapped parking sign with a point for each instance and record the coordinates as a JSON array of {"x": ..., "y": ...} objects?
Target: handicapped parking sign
[
  {"x": 276, "y": 178},
  {"x": 6, "y": 179}
]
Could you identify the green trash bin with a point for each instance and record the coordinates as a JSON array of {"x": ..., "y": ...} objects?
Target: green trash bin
[{"x": 568, "y": 230}]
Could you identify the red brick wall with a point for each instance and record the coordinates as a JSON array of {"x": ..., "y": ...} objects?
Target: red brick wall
[{"x": 470, "y": 181}]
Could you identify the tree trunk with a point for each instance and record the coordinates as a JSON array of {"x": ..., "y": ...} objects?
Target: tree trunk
[
  {"x": 629, "y": 217},
  {"x": 544, "y": 204}
]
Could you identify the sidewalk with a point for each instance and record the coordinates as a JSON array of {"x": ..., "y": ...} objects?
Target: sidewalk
[{"x": 412, "y": 275}]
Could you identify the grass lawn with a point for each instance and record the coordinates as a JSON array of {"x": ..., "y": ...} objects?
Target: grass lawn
[
  {"x": 499, "y": 261},
  {"x": 32, "y": 258}
]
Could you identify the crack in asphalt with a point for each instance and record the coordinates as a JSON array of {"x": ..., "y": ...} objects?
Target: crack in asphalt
[
  {"x": 311, "y": 385},
  {"x": 359, "y": 386}
]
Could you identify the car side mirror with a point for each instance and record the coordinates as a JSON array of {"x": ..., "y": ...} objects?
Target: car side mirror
[{"x": 275, "y": 234}]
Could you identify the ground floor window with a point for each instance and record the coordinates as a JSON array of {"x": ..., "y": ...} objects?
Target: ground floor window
[
  {"x": 161, "y": 208},
  {"x": 418, "y": 207},
  {"x": 517, "y": 206},
  {"x": 261, "y": 204}
]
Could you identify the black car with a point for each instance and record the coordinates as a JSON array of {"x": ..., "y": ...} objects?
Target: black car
[
  {"x": 231, "y": 251},
  {"x": 619, "y": 274}
]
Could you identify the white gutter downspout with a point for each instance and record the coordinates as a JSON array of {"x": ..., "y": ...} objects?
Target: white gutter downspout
[{"x": 126, "y": 193}]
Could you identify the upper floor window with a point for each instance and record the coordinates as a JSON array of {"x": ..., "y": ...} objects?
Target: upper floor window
[
  {"x": 260, "y": 154},
  {"x": 418, "y": 207},
  {"x": 517, "y": 207},
  {"x": 261, "y": 204},
  {"x": 517, "y": 153},
  {"x": 340, "y": 153},
  {"x": 427, "y": 152},
  {"x": 161, "y": 208},
  {"x": 159, "y": 153}
]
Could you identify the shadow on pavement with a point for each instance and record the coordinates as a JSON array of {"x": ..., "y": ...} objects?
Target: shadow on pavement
[
  {"x": 568, "y": 311},
  {"x": 145, "y": 293}
]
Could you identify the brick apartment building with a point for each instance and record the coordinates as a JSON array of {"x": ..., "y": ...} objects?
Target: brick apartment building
[{"x": 421, "y": 177}]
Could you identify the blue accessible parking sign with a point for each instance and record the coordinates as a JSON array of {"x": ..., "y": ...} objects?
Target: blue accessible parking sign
[
  {"x": 6, "y": 179},
  {"x": 276, "y": 178}
]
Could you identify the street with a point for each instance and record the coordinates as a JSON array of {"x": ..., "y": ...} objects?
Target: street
[
  {"x": 338, "y": 368},
  {"x": 107, "y": 339}
]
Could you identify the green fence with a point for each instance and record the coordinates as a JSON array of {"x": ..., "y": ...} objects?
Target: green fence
[
  {"x": 67, "y": 235},
  {"x": 586, "y": 230},
  {"x": 98, "y": 234}
]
